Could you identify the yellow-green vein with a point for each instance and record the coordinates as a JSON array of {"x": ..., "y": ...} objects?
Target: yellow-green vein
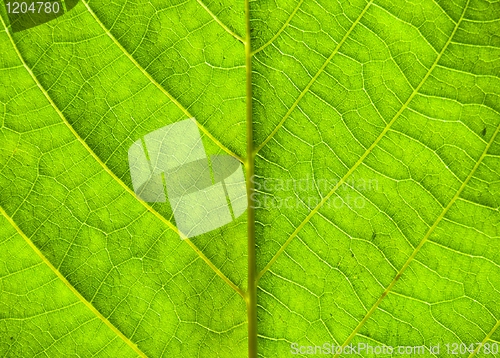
[
  {"x": 287, "y": 22},
  {"x": 157, "y": 85},
  {"x": 422, "y": 242},
  {"x": 362, "y": 158},
  {"x": 70, "y": 286},
  {"x": 486, "y": 339},
  {"x": 113, "y": 175},
  {"x": 320, "y": 71},
  {"x": 224, "y": 26}
]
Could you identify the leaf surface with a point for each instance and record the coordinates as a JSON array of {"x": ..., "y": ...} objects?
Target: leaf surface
[{"x": 369, "y": 135}]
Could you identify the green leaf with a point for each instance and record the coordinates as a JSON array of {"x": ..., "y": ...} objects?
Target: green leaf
[{"x": 369, "y": 136}]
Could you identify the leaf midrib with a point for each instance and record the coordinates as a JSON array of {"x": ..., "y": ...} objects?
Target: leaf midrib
[
  {"x": 251, "y": 293},
  {"x": 251, "y": 156}
]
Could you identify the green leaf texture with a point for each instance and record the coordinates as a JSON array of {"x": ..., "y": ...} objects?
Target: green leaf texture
[{"x": 368, "y": 131}]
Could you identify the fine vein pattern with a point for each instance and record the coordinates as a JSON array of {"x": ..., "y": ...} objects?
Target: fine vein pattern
[{"x": 368, "y": 131}]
